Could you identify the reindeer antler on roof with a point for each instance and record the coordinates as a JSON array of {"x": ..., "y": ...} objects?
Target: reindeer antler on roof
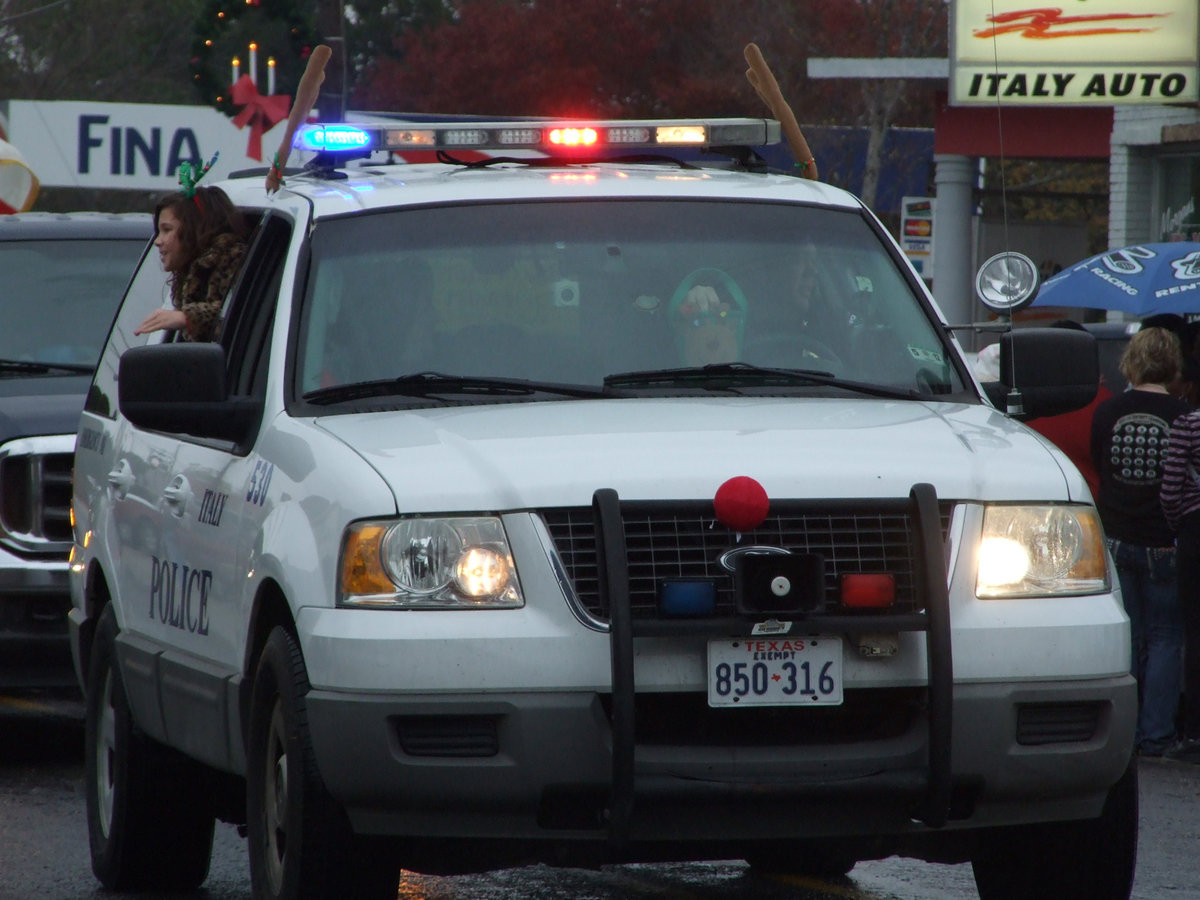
[
  {"x": 760, "y": 77},
  {"x": 306, "y": 96}
]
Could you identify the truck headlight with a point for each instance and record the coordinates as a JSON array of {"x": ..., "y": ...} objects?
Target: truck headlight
[
  {"x": 1041, "y": 551},
  {"x": 450, "y": 563}
]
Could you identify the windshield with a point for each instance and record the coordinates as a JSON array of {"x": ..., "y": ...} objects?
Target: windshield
[
  {"x": 60, "y": 297},
  {"x": 574, "y": 293}
]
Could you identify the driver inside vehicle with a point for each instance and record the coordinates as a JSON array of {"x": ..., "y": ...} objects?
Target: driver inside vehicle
[{"x": 807, "y": 316}]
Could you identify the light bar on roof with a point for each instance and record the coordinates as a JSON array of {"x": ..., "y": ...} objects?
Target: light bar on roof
[{"x": 552, "y": 137}]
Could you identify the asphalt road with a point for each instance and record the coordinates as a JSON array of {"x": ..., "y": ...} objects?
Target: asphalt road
[{"x": 44, "y": 855}]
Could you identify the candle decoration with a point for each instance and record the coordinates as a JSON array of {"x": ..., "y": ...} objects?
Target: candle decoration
[{"x": 282, "y": 30}]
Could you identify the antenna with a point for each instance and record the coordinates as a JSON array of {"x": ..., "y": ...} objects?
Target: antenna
[
  {"x": 1000, "y": 134},
  {"x": 1012, "y": 278}
]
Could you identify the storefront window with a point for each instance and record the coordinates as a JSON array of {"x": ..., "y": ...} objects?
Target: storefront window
[{"x": 1180, "y": 216}]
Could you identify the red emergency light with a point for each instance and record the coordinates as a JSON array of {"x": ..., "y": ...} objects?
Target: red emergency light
[{"x": 573, "y": 137}]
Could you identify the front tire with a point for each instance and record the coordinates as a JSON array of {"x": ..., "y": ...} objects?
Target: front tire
[
  {"x": 1093, "y": 859},
  {"x": 300, "y": 841},
  {"x": 148, "y": 824}
]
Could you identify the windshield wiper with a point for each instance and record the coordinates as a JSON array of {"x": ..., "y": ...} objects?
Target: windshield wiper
[
  {"x": 426, "y": 384},
  {"x": 730, "y": 376},
  {"x": 33, "y": 367}
]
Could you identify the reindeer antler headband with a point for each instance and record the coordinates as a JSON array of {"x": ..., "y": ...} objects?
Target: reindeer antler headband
[{"x": 190, "y": 175}]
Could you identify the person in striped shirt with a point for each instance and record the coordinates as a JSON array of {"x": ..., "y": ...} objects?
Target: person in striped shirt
[{"x": 1179, "y": 495}]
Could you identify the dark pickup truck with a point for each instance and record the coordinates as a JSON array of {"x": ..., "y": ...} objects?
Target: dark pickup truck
[{"x": 61, "y": 278}]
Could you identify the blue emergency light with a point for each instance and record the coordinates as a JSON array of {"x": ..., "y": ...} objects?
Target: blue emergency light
[{"x": 335, "y": 138}]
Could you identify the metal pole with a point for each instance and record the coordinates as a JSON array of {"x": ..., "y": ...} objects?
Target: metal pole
[{"x": 953, "y": 263}]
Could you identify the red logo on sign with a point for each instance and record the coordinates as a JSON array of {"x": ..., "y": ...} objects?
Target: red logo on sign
[{"x": 1049, "y": 22}]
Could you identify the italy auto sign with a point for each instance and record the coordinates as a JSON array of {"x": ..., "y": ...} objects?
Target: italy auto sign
[{"x": 1094, "y": 52}]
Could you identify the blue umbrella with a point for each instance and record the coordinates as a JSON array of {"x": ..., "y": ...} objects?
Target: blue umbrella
[{"x": 1141, "y": 280}]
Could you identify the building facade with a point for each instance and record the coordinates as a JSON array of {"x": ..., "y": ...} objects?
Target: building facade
[{"x": 1154, "y": 175}]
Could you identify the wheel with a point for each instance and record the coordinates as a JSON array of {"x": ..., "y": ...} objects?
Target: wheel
[
  {"x": 801, "y": 860},
  {"x": 300, "y": 841},
  {"x": 1090, "y": 860},
  {"x": 148, "y": 824},
  {"x": 791, "y": 351}
]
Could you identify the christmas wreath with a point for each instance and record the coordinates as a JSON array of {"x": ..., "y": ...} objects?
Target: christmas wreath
[{"x": 280, "y": 30}]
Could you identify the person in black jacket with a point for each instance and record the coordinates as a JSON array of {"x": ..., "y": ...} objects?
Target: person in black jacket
[{"x": 1128, "y": 443}]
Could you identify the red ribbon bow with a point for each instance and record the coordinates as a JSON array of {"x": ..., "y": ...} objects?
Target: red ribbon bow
[{"x": 258, "y": 111}]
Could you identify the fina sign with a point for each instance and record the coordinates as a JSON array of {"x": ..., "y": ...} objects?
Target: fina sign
[
  {"x": 1093, "y": 52},
  {"x": 138, "y": 146}
]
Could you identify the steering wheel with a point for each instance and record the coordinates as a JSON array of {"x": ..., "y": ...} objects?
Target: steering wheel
[{"x": 780, "y": 350}]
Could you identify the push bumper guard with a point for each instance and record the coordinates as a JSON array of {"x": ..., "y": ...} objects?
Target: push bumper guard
[{"x": 933, "y": 807}]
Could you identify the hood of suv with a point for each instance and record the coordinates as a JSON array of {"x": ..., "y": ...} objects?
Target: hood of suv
[
  {"x": 504, "y": 457},
  {"x": 41, "y": 405}
]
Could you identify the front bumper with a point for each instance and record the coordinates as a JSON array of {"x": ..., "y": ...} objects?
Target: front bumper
[
  {"x": 540, "y": 767},
  {"x": 34, "y": 601}
]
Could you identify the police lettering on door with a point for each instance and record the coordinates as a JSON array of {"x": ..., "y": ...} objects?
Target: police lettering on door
[{"x": 179, "y": 595}]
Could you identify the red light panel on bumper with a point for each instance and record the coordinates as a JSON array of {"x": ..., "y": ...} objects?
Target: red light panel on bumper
[{"x": 868, "y": 591}]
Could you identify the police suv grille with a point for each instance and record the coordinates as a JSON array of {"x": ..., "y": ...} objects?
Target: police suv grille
[
  {"x": 35, "y": 502},
  {"x": 684, "y": 541}
]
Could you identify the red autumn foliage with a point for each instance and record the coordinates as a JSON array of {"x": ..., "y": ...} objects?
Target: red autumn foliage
[
  {"x": 567, "y": 58},
  {"x": 643, "y": 58}
]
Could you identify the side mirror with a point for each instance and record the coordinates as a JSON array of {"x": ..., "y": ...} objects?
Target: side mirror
[
  {"x": 180, "y": 388},
  {"x": 1055, "y": 370}
]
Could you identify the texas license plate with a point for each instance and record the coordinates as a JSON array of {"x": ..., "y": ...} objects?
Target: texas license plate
[{"x": 775, "y": 671}]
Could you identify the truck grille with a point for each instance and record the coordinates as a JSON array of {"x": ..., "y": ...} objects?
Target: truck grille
[
  {"x": 684, "y": 541},
  {"x": 35, "y": 500}
]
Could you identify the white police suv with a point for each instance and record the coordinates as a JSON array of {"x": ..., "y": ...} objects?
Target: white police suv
[{"x": 568, "y": 498}]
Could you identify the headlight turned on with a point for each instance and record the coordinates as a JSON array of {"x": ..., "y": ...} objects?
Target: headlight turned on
[
  {"x": 1041, "y": 551},
  {"x": 435, "y": 563}
]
